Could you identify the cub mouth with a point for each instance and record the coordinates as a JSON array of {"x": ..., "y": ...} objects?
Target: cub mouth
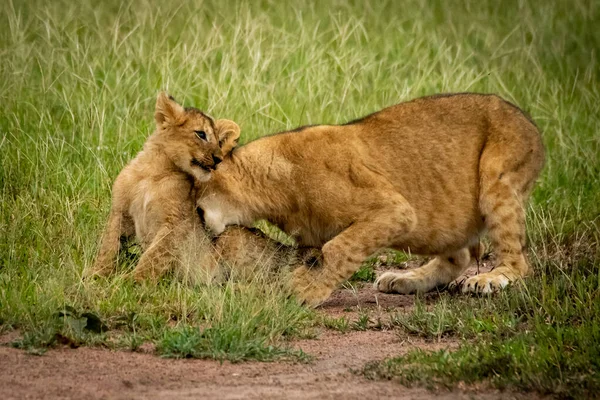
[{"x": 197, "y": 163}]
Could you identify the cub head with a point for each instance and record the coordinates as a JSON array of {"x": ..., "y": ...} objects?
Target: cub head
[{"x": 194, "y": 141}]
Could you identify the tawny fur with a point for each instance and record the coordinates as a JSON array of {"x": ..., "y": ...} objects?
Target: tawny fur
[
  {"x": 245, "y": 253},
  {"x": 427, "y": 176},
  {"x": 153, "y": 196}
]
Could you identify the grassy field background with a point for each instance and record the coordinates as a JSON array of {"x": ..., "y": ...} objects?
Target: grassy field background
[{"x": 78, "y": 82}]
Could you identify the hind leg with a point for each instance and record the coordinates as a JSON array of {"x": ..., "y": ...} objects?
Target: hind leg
[
  {"x": 438, "y": 272},
  {"x": 163, "y": 252},
  {"x": 159, "y": 256},
  {"x": 504, "y": 212},
  {"x": 195, "y": 259},
  {"x": 510, "y": 163}
]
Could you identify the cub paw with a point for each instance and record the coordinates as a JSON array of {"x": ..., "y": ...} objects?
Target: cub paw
[
  {"x": 490, "y": 282},
  {"x": 398, "y": 282},
  {"x": 308, "y": 288}
]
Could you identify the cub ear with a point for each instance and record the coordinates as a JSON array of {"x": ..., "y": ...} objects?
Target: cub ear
[
  {"x": 167, "y": 112},
  {"x": 228, "y": 133}
]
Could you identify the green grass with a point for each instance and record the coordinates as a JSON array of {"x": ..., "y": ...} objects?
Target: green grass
[
  {"x": 340, "y": 324},
  {"x": 541, "y": 336},
  {"x": 78, "y": 82}
]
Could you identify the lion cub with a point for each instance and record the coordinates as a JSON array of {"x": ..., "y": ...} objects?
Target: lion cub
[
  {"x": 153, "y": 196},
  {"x": 429, "y": 176}
]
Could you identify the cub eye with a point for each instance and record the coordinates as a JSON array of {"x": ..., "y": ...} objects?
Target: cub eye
[{"x": 201, "y": 134}]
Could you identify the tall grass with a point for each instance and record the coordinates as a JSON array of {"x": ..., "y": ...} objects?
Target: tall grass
[{"x": 77, "y": 87}]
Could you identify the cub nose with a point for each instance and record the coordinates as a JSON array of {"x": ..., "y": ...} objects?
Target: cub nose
[{"x": 216, "y": 159}]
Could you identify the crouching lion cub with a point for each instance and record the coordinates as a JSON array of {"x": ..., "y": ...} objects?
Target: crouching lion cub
[{"x": 429, "y": 176}]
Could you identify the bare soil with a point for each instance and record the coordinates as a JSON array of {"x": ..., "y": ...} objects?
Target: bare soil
[{"x": 93, "y": 373}]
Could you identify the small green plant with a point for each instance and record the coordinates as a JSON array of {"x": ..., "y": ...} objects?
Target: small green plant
[
  {"x": 37, "y": 341},
  {"x": 67, "y": 327},
  {"x": 340, "y": 324},
  {"x": 131, "y": 341},
  {"x": 362, "y": 322},
  {"x": 365, "y": 273}
]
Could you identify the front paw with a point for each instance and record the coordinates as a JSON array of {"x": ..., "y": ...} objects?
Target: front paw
[
  {"x": 309, "y": 288},
  {"x": 399, "y": 282}
]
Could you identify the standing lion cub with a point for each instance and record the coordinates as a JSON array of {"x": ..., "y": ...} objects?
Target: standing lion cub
[{"x": 428, "y": 176}]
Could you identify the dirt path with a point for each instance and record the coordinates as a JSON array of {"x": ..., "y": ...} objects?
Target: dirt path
[{"x": 103, "y": 374}]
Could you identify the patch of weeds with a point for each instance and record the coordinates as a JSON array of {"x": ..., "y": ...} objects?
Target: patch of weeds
[
  {"x": 464, "y": 317},
  {"x": 38, "y": 341},
  {"x": 68, "y": 328},
  {"x": 221, "y": 344},
  {"x": 235, "y": 323},
  {"x": 426, "y": 323},
  {"x": 340, "y": 324},
  {"x": 365, "y": 273},
  {"x": 362, "y": 323},
  {"x": 132, "y": 341}
]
